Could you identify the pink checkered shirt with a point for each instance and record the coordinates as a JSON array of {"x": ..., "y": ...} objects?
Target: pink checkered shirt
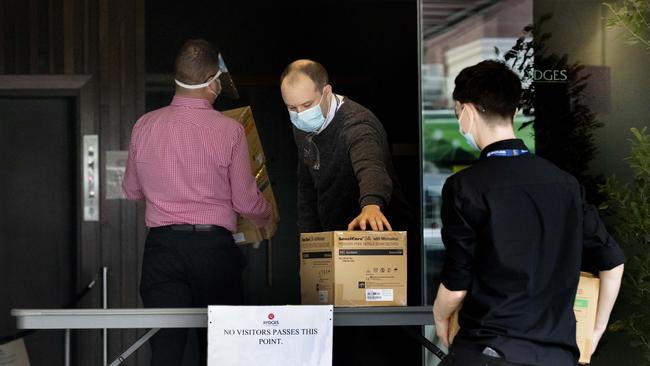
[{"x": 190, "y": 163}]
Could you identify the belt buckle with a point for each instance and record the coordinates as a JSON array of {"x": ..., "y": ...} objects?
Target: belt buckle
[
  {"x": 489, "y": 351},
  {"x": 203, "y": 227},
  {"x": 183, "y": 227}
]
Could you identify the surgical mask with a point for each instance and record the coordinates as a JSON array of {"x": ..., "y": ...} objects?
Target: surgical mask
[
  {"x": 203, "y": 85},
  {"x": 309, "y": 120},
  {"x": 469, "y": 138}
]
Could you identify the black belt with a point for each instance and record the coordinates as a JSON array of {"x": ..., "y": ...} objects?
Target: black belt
[{"x": 190, "y": 227}]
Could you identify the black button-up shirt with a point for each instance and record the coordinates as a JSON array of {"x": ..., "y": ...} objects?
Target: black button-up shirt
[{"x": 517, "y": 231}]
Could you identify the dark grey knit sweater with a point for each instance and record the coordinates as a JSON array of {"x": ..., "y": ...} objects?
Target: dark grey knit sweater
[{"x": 352, "y": 169}]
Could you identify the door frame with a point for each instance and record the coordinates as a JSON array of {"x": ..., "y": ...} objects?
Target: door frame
[{"x": 81, "y": 88}]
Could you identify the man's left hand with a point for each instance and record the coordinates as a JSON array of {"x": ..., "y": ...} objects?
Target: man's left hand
[
  {"x": 595, "y": 339},
  {"x": 370, "y": 216}
]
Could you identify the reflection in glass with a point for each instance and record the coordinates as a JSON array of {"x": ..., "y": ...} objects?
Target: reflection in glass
[{"x": 455, "y": 35}]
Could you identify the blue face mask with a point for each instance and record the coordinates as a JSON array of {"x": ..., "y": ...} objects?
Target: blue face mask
[
  {"x": 469, "y": 138},
  {"x": 309, "y": 120}
]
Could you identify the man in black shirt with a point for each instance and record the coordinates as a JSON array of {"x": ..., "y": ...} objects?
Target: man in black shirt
[
  {"x": 517, "y": 231},
  {"x": 346, "y": 177}
]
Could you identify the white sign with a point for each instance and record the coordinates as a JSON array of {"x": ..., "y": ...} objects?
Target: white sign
[
  {"x": 115, "y": 168},
  {"x": 270, "y": 335},
  {"x": 14, "y": 353}
]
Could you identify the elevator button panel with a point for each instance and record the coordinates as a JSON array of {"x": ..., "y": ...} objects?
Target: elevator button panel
[{"x": 90, "y": 176}]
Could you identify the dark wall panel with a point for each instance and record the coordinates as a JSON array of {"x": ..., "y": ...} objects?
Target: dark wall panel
[{"x": 104, "y": 39}]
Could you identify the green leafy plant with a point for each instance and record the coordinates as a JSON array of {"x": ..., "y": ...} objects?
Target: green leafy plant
[
  {"x": 629, "y": 204},
  {"x": 634, "y": 17},
  {"x": 629, "y": 207}
]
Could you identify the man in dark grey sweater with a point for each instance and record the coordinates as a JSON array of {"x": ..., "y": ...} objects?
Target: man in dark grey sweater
[{"x": 346, "y": 178}]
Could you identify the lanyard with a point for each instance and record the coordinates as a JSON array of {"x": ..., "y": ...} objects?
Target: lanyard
[{"x": 507, "y": 153}]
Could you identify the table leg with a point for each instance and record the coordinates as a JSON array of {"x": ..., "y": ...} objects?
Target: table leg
[
  {"x": 67, "y": 348},
  {"x": 134, "y": 347}
]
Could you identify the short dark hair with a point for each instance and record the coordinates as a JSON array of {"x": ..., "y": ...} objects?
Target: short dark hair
[
  {"x": 314, "y": 70},
  {"x": 196, "y": 62},
  {"x": 490, "y": 85}
]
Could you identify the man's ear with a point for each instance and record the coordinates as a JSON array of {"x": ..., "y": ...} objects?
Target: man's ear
[
  {"x": 217, "y": 86},
  {"x": 470, "y": 110},
  {"x": 471, "y": 107}
]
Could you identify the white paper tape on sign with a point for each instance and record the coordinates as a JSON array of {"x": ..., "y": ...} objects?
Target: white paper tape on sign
[{"x": 270, "y": 335}]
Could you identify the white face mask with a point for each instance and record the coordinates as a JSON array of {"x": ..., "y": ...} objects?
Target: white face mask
[
  {"x": 203, "y": 85},
  {"x": 309, "y": 120},
  {"x": 467, "y": 135}
]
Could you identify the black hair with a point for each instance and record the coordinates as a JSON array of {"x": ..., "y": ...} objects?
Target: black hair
[
  {"x": 491, "y": 86},
  {"x": 197, "y": 61}
]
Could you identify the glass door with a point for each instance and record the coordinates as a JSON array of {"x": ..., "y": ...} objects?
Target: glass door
[{"x": 455, "y": 35}]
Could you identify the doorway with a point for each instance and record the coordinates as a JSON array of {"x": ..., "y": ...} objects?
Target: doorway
[{"x": 38, "y": 214}]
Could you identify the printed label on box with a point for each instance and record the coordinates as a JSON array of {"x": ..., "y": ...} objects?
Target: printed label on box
[
  {"x": 323, "y": 297},
  {"x": 379, "y": 294},
  {"x": 581, "y": 303}
]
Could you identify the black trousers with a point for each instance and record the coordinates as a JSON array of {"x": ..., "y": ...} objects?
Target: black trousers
[
  {"x": 470, "y": 353},
  {"x": 473, "y": 357},
  {"x": 183, "y": 269}
]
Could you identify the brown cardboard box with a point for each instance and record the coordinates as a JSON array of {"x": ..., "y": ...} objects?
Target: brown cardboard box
[
  {"x": 584, "y": 307},
  {"x": 353, "y": 268},
  {"x": 244, "y": 116},
  {"x": 316, "y": 268},
  {"x": 247, "y": 232}
]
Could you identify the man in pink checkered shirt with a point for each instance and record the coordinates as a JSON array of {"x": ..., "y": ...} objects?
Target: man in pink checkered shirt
[{"x": 190, "y": 164}]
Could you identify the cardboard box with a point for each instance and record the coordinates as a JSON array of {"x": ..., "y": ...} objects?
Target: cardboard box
[
  {"x": 353, "y": 268},
  {"x": 584, "y": 308},
  {"x": 247, "y": 232},
  {"x": 256, "y": 155}
]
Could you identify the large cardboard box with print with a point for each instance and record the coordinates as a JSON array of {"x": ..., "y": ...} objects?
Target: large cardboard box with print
[{"x": 353, "y": 268}]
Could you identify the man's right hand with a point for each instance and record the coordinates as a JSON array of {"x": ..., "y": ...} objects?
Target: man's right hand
[
  {"x": 447, "y": 302},
  {"x": 370, "y": 216}
]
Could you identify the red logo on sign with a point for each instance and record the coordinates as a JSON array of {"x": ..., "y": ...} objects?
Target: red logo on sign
[{"x": 271, "y": 316}]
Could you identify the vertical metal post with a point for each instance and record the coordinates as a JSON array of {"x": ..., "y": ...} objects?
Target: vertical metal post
[
  {"x": 67, "y": 348},
  {"x": 423, "y": 277},
  {"x": 105, "y": 306}
]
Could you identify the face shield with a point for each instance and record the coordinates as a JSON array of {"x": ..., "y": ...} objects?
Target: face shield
[{"x": 228, "y": 88}]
